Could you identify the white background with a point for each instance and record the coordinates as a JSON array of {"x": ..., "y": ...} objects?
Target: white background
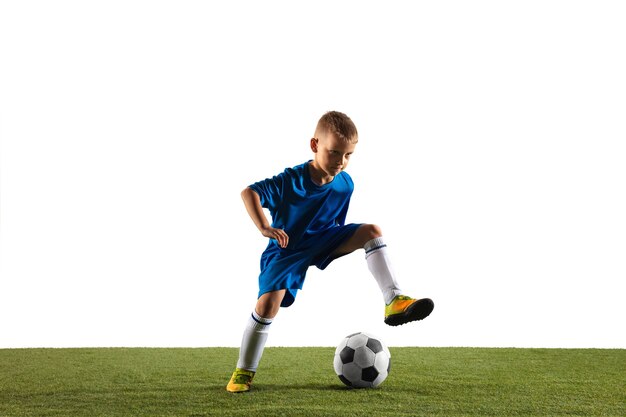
[{"x": 492, "y": 154}]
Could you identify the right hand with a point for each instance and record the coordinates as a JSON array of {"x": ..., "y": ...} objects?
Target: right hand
[{"x": 279, "y": 234}]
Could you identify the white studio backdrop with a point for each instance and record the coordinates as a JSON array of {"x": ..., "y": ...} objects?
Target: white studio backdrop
[{"x": 491, "y": 153}]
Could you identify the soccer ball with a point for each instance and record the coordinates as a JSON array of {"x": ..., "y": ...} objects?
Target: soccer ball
[{"x": 362, "y": 361}]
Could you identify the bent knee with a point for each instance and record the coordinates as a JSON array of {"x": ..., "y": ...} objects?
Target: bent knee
[
  {"x": 268, "y": 304},
  {"x": 267, "y": 310},
  {"x": 371, "y": 231}
]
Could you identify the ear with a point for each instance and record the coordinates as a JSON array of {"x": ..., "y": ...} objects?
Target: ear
[{"x": 314, "y": 142}]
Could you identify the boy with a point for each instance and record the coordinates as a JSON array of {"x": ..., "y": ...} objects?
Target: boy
[{"x": 308, "y": 204}]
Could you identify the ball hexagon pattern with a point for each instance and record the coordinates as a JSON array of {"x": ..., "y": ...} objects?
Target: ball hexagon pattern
[{"x": 362, "y": 361}]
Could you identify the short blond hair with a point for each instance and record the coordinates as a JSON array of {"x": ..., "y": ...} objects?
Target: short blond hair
[{"x": 339, "y": 124}]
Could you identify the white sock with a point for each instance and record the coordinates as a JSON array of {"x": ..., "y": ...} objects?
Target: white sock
[
  {"x": 380, "y": 266},
  {"x": 253, "y": 342}
]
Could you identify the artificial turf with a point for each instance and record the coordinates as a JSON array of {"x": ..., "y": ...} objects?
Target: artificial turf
[{"x": 301, "y": 382}]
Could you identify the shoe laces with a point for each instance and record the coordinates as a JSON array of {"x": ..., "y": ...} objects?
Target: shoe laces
[{"x": 242, "y": 378}]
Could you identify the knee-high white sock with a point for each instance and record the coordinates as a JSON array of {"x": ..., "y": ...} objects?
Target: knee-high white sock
[
  {"x": 380, "y": 266},
  {"x": 253, "y": 342}
]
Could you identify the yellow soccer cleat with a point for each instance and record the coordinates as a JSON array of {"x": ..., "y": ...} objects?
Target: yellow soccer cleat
[
  {"x": 240, "y": 381},
  {"x": 403, "y": 309}
]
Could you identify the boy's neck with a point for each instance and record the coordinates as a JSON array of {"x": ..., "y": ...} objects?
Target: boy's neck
[{"x": 318, "y": 176}]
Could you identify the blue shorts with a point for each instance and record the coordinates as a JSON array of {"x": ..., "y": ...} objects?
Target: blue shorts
[{"x": 286, "y": 268}]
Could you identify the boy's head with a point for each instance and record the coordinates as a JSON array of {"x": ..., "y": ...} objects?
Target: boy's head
[
  {"x": 334, "y": 141},
  {"x": 338, "y": 124}
]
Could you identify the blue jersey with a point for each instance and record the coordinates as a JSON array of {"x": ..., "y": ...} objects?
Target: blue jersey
[
  {"x": 313, "y": 216},
  {"x": 302, "y": 208}
]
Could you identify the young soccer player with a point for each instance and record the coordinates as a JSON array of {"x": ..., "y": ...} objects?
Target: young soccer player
[{"x": 308, "y": 204}]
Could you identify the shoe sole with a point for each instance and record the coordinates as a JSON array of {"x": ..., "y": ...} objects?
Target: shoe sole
[
  {"x": 419, "y": 310},
  {"x": 238, "y": 391}
]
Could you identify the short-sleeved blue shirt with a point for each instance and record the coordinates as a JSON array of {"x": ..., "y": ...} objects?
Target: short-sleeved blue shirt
[{"x": 312, "y": 215}]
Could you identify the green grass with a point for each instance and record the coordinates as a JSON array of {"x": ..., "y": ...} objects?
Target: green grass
[{"x": 301, "y": 382}]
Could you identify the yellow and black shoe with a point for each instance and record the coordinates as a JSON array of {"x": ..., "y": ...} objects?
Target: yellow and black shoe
[
  {"x": 240, "y": 381},
  {"x": 403, "y": 309}
]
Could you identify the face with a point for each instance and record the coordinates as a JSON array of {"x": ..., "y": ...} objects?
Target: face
[{"x": 331, "y": 154}]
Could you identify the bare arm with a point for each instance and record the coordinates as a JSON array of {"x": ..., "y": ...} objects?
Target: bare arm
[{"x": 253, "y": 205}]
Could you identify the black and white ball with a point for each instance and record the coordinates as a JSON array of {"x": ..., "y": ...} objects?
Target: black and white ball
[{"x": 362, "y": 361}]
